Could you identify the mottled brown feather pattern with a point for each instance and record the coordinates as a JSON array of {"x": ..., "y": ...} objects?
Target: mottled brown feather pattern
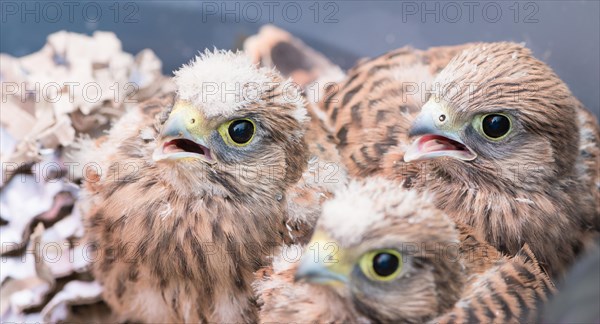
[
  {"x": 271, "y": 48},
  {"x": 499, "y": 289},
  {"x": 371, "y": 111},
  {"x": 283, "y": 301},
  {"x": 324, "y": 175},
  {"x": 540, "y": 188},
  {"x": 443, "y": 283},
  {"x": 589, "y": 154},
  {"x": 180, "y": 243}
]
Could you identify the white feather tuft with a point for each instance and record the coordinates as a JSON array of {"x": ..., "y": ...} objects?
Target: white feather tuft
[
  {"x": 352, "y": 211},
  {"x": 221, "y": 82},
  {"x": 364, "y": 204},
  {"x": 287, "y": 256}
]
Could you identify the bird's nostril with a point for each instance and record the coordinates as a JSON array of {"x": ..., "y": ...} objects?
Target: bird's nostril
[
  {"x": 442, "y": 117},
  {"x": 193, "y": 121}
]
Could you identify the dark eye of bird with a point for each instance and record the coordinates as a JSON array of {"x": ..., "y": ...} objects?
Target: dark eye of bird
[
  {"x": 495, "y": 125},
  {"x": 385, "y": 264},
  {"x": 241, "y": 131}
]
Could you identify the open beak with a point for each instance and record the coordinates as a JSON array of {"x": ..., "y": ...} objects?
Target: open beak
[
  {"x": 323, "y": 264},
  {"x": 183, "y": 136},
  {"x": 435, "y": 137}
]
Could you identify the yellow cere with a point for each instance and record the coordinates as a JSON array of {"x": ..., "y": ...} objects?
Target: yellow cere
[
  {"x": 330, "y": 253},
  {"x": 192, "y": 118}
]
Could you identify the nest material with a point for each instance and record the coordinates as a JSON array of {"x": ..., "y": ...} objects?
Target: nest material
[{"x": 75, "y": 86}]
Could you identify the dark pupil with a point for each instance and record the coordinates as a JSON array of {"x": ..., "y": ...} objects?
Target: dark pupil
[
  {"x": 241, "y": 131},
  {"x": 385, "y": 264},
  {"x": 495, "y": 126}
]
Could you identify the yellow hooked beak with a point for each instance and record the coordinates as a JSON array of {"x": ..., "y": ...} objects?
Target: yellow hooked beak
[
  {"x": 183, "y": 135},
  {"x": 324, "y": 263},
  {"x": 437, "y": 135}
]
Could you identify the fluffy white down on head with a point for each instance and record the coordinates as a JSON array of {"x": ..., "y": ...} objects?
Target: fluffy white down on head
[
  {"x": 222, "y": 82},
  {"x": 364, "y": 204}
]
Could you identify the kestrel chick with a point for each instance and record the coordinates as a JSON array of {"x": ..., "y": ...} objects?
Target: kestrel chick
[
  {"x": 383, "y": 254},
  {"x": 509, "y": 143},
  {"x": 500, "y": 142},
  {"x": 186, "y": 206}
]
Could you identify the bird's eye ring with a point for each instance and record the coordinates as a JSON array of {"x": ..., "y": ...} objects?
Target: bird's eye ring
[
  {"x": 495, "y": 126},
  {"x": 381, "y": 265},
  {"x": 238, "y": 132}
]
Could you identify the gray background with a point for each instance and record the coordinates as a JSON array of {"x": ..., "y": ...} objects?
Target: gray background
[{"x": 565, "y": 34}]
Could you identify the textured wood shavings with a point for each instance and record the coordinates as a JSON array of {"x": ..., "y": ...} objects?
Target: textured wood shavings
[
  {"x": 23, "y": 293},
  {"x": 74, "y": 293},
  {"x": 22, "y": 200},
  {"x": 74, "y": 86}
]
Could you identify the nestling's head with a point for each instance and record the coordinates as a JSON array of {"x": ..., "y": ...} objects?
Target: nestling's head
[
  {"x": 388, "y": 251},
  {"x": 234, "y": 127},
  {"x": 498, "y": 110}
]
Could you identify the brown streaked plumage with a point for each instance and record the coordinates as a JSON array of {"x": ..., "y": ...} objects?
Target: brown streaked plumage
[
  {"x": 539, "y": 186},
  {"x": 447, "y": 274},
  {"x": 510, "y": 291},
  {"x": 282, "y": 300},
  {"x": 325, "y": 174},
  {"x": 370, "y": 112},
  {"x": 275, "y": 48},
  {"x": 179, "y": 215},
  {"x": 529, "y": 184},
  {"x": 589, "y": 156}
]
